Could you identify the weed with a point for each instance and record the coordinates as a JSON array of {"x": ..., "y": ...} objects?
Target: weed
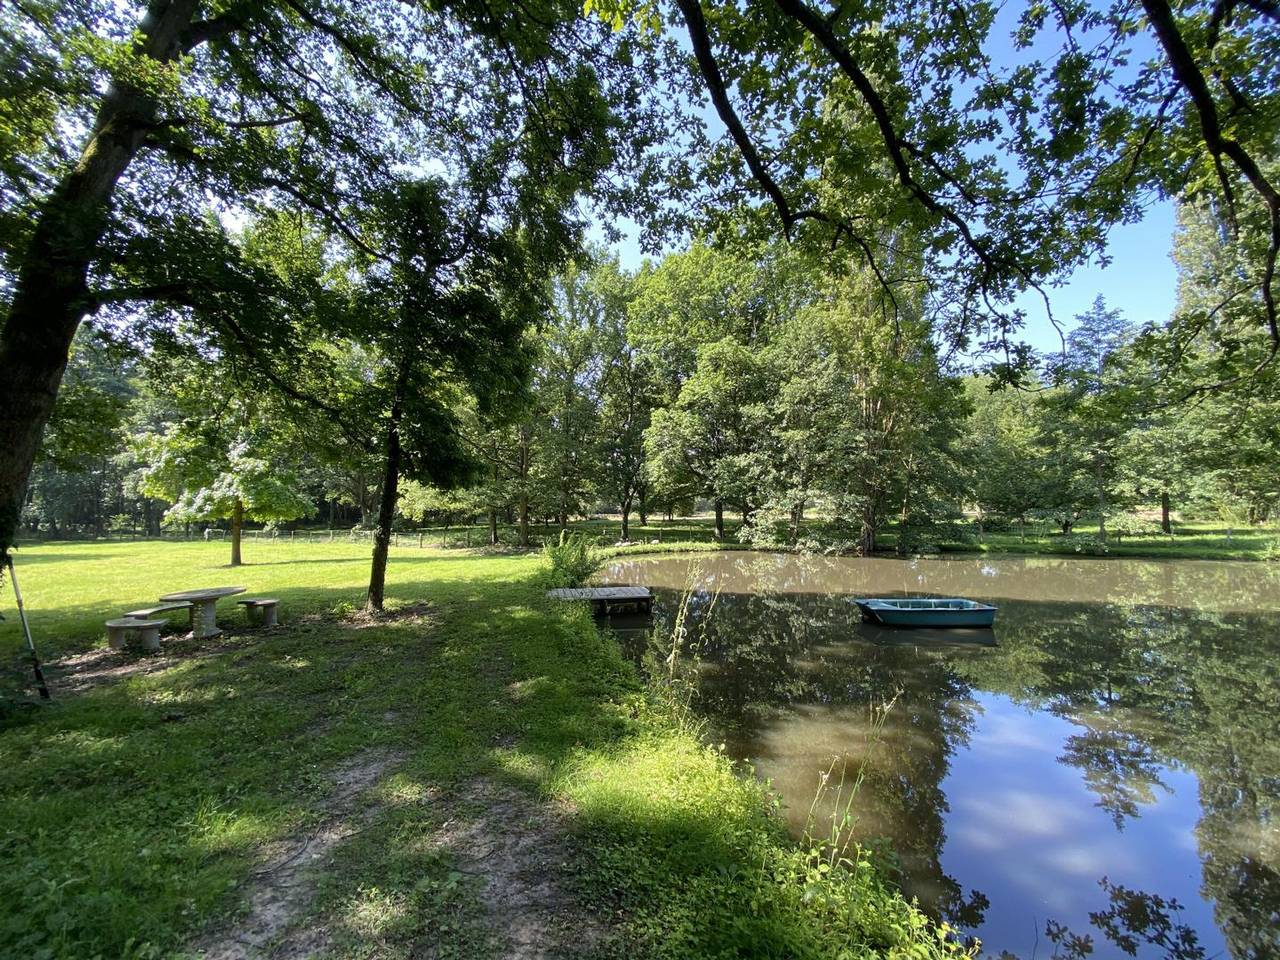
[
  {"x": 672, "y": 659},
  {"x": 573, "y": 560}
]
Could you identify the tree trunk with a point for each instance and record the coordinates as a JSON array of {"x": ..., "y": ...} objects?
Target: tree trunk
[
  {"x": 237, "y": 524},
  {"x": 626, "y": 519},
  {"x": 524, "y": 519},
  {"x": 867, "y": 535},
  {"x": 903, "y": 527},
  {"x": 720, "y": 520},
  {"x": 493, "y": 528},
  {"x": 643, "y": 507},
  {"x": 793, "y": 529},
  {"x": 50, "y": 292},
  {"x": 387, "y": 502},
  {"x": 1102, "y": 499},
  {"x": 1165, "y": 524}
]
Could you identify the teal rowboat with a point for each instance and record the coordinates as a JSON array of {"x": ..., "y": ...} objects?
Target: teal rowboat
[{"x": 949, "y": 612}]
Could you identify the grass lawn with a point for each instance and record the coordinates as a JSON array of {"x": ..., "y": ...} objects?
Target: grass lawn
[
  {"x": 479, "y": 774},
  {"x": 1190, "y": 541}
]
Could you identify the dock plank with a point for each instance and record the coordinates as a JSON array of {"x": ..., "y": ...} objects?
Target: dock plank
[
  {"x": 626, "y": 594},
  {"x": 608, "y": 599}
]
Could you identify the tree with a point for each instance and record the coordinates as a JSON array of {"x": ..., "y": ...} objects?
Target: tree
[
  {"x": 566, "y": 397},
  {"x": 445, "y": 314},
  {"x": 847, "y": 129},
  {"x": 75, "y": 478},
  {"x": 705, "y": 294},
  {"x": 232, "y": 466},
  {"x": 1003, "y": 450},
  {"x": 711, "y": 434},
  {"x": 883, "y": 413},
  {"x": 630, "y": 395},
  {"x": 120, "y": 133},
  {"x": 1088, "y": 416},
  {"x": 504, "y": 446}
]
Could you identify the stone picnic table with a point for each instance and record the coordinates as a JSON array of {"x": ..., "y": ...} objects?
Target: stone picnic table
[{"x": 204, "y": 619}]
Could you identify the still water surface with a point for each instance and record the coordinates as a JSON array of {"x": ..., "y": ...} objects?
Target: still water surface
[{"x": 1105, "y": 764}]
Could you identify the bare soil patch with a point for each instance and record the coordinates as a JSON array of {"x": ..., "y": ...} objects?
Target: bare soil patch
[
  {"x": 81, "y": 672},
  {"x": 517, "y": 847},
  {"x": 280, "y": 891},
  {"x": 512, "y": 846}
]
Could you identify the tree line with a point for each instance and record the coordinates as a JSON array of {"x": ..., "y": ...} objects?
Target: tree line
[{"x": 772, "y": 387}]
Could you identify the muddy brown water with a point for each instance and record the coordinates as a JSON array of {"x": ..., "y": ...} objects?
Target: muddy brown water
[{"x": 1099, "y": 775}]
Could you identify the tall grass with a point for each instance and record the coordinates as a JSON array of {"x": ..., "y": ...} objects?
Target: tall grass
[
  {"x": 573, "y": 559},
  {"x": 673, "y": 657},
  {"x": 831, "y": 837}
]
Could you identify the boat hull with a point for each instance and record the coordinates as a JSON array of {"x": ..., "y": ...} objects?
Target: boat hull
[{"x": 940, "y": 614}]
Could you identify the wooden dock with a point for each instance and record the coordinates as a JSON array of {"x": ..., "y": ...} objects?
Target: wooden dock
[{"x": 606, "y": 599}]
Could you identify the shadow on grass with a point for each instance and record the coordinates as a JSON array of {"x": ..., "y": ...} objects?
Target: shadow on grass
[
  {"x": 73, "y": 627},
  {"x": 149, "y": 804}
]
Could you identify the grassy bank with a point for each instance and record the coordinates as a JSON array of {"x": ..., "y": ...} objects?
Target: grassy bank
[
  {"x": 1196, "y": 540},
  {"x": 144, "y": 815},
  {"x": 1190, "y": 541}
]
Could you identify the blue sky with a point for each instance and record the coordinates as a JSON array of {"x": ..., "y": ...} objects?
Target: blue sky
[{"x": 1140, "y": 281}]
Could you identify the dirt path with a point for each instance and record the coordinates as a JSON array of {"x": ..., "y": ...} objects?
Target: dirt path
[
  {"x": 513, "y": 848},
  {"x": 518, "y": 849},
  {"x": 78, "y": 673},
  {"x": 280, "y": 890}
]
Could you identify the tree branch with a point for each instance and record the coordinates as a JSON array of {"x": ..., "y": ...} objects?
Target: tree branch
[
  {"x": 203, "y": 31},
  {"x": 894, "y": 144},
  {"x": 1188, "y": 74},
  {"x": 329, "y": 215},
  {"x": 696, "y": 25}
]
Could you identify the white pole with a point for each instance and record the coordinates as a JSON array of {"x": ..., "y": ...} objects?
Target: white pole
[{"x": 26, "y": 630}]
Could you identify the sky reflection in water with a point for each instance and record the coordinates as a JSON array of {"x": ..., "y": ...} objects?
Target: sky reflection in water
[{"x": 1116, "y": 750}]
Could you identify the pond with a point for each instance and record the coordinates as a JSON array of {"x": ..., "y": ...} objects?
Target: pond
[{"x": 1102, "y": 770}]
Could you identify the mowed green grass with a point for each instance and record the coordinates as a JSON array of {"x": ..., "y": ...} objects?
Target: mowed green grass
[
  {"x": 71, "y": 588},
  {"x": 1190, "y": 541},
  {"x": 135, "y": 815},
  {"x": 1193, "y": 540}
]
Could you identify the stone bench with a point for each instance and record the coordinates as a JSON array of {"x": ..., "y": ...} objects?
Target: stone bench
[
  {"x": 148, "y": 632},
  {"x": 266, "y": 607},
  {"x": 146, "y": 613}
]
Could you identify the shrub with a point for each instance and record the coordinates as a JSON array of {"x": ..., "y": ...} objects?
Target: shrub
[
  {"x": 1085, "y": 543},
  {"x": 1127, "y": 525},
  {"x": 573, "y": 560}
]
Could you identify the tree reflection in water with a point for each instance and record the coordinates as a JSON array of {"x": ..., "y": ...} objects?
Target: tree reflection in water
[{"x": 1161, "y": 668}]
